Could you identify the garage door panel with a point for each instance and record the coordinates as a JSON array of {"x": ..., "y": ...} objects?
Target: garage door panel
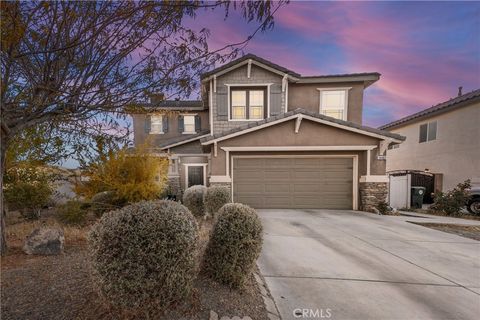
[
  {"x": 293, "y": 182},
  {"x": 247, "y": 188},
  {"x": 277, "y": 188}
]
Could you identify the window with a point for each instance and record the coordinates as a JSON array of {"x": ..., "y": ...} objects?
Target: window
[
  {"x": 248, "y": 103},
  {"x": 189, "y": 124},
  {"x": 333, "y": 103},
  {"x": 156, "y": 124},
  {"x": 428, "y": 132}
]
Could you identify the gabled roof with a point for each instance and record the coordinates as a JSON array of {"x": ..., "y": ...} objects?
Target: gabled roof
[
  {"x": 458, "y": 102},
  {"x": 177, "y": 141},
  {"x": 367, "y": 77},
  {"x": 245, "y": 58},
  {"x": 256, "y": 125},
  {"x": 180, "y": 105}
]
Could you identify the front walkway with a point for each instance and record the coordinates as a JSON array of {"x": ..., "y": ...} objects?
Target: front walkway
[{"x": 352, "y": 265}]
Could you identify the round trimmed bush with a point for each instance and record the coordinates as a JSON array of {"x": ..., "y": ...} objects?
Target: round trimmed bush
[
  {"x": 145, "y": 254},
  {"x": 193, "y": 200},
  {"x": 216, "y": 197},
  {"x": 234, "y": 245}
]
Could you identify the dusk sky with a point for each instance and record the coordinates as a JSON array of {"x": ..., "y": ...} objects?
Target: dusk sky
[{"x": 424, "y": 50}]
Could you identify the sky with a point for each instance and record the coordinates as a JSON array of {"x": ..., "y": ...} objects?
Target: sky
[{"x": 424, "y": 50}]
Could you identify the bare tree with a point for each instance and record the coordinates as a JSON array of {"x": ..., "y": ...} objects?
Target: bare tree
[{"x": 72, "y": 66}]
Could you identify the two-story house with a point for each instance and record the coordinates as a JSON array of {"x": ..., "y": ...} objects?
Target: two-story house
[
  {"x": 443, "y": 139},
  {"x": 276, "y": 138}
]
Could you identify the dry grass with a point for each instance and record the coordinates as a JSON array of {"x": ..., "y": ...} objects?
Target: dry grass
[
  {"x": 60, "y": 287},
  {"x": 17, "y": 229},
  {"x": 465, "y": 215}
]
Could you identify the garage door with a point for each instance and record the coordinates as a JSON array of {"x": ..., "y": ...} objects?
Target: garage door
[{"x": 293, "y": 182}]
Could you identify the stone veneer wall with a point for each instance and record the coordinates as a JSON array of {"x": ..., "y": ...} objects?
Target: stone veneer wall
[
  {"x": 174, "y": 186},
  {"x": 371, "y": 193}
]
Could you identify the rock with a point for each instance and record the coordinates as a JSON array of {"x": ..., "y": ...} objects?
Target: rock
[
  {"x": 213, "y": 315},
  {"x": 45, "y": 241}
]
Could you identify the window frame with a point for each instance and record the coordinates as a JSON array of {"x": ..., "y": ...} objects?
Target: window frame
[
  {"x": 247, "y": 88},
  {"x": 428, "y": 125},
  {"x": 184, "y": 127},
  {"x": 157, "y": 116},
  {"x": 345, "y": 109}
]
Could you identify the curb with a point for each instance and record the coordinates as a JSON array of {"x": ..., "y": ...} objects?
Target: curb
[{"x": 272, "y": 310}]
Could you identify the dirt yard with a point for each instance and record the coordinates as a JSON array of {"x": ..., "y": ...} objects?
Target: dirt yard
[
  {"x": 472, "y": 232},
  {"x": 60, "y": 287}
]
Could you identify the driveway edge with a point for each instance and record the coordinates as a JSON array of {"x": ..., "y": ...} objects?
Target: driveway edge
[{"x": 270, "y": 305}]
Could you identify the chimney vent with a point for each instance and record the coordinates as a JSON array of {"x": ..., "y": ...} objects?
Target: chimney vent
[
  {"x": 157, "y": 97},
  {"x": 460, "y": 91}
]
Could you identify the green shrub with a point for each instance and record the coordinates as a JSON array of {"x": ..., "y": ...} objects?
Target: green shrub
[
  {"x": 235, "y": 244},
  {"x": 145, "y": 254},
  {"x": 27, "y": 189},
  {"x": 452, "y": 202},
  {"x": 105, "y": 201},
  {"x": 383, "y": 207},
  {"x": 72, "y": 212},
  {"x": 193, "y": 200},
  {"x": 215, "y": 198}
]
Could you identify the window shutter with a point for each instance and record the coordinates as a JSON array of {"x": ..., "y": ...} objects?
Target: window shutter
[
  {"x": 423, "y": 133},
  {"x": 180, "y": 124},
  {"x": 148, "y": 122},
  {"x": 165, "y": 123},
  {"x": 276, "y": 99},
  {"x": 222, "y": 103},
  {"x": 198, "y": 123}
]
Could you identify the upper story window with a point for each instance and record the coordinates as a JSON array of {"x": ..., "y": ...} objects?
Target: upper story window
[
  {"x": 156, "y": 124},
  {"x": 333, "y": 103},
  {"x": 248, "y": 103},
  {"x": 428, "y": 132},
  {"x": 189, "y": 124}
]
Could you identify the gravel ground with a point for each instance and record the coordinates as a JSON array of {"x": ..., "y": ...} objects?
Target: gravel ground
[
  {"x": 472, "y": 232},
  {"x": 60, "y": 287}
]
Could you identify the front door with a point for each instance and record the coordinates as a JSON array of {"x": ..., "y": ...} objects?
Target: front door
[{"x": 195, "y": 176}]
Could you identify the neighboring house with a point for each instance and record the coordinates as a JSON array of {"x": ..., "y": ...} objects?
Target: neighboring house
[
  {"x": 276, "y": 138},
  {"x": 443, "y": 139}
]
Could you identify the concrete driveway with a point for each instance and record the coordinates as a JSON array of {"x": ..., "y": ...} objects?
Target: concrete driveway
[{"x": 352, "y": 265}]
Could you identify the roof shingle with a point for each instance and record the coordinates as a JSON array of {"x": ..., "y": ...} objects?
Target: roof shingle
[
  {"x": 436, "y": 109},
  {"x": 304, "y": 112}
]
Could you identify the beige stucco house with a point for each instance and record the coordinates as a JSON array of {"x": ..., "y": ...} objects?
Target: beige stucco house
[
  {"x": 276, "y": 138},
  {"x": 443, "y": 139}
]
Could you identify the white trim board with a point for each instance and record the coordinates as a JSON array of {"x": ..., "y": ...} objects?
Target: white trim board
[
  {"x": 184, "y": 141},
  {"x": 354, "y": 158},
  {"x": 300, "y": 148},
  {"x": 304, "y": 116}
]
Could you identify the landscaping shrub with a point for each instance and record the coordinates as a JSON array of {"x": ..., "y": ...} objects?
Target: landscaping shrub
[
  {"x": 383, "y": 207},
  {"x": 72, "y": 212},
  {"x": 105, "y": 201},
  {"x": 133, "y": 175},
  {"x": 27, "y": 189},
  {"x": 193, "y": 199},
  {"x": 144, "y": 255},
  {"x": 235, "y": 244},
  {"x": 216, "y": 197},
  {"x": 452, "y": 202}
]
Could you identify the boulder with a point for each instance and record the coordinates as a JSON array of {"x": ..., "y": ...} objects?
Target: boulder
[{"x": 45, "y": 241}]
